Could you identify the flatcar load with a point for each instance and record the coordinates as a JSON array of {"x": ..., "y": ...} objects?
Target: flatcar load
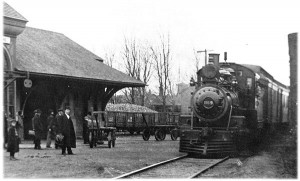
[{"x": 128, "y": 108}]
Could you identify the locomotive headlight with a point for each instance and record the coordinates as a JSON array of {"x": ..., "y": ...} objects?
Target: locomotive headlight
[{"x": 210, "y": 71}]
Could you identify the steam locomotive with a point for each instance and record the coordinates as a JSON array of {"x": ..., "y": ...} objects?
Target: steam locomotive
[{"x": 232, "y": 106}]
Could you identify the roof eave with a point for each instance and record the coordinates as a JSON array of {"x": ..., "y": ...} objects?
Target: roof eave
[{"x": 108, "y": 82}]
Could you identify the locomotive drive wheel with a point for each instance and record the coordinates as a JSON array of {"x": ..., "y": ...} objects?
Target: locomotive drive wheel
[
  {"x": 146, "y": 134},
  {"x": 174, "y": 134},
  {"x": 160, "y": 135}
]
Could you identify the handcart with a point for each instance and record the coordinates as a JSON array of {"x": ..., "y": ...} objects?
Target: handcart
[{"x": 98, "y": 133}]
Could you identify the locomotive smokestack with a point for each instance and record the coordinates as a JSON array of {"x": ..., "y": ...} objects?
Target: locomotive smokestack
[{"x": 213, "y": 58}]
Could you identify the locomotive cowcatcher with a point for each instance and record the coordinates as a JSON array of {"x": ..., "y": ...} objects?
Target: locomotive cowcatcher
[{"x": 225, "y": 109}]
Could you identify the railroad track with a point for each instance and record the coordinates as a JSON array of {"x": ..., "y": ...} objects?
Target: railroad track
[{"x": 179, "y": 167}]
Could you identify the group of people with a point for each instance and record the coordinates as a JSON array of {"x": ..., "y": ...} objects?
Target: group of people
[{"x": 59, "y": 127}]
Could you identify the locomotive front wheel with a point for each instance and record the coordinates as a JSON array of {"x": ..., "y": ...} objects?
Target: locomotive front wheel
[
  {"x": 174, "y": 134},
  {"x": 160, "y": 135},
  {"x": 91, "y": 139},
  {"x": 146, "y": 134}
]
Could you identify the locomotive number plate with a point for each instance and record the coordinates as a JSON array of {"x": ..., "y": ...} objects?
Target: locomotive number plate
[{"x": 208, "y": 103}]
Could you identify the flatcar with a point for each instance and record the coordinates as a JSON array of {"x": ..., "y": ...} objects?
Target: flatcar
[
  {"x": 148, "y": 123},
  {"x": 232, "y": 105}
]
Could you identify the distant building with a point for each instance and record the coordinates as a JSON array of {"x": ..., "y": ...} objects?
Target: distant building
[
  {"x": 183, "y": 97},
  {"x": 157, "y": 104},
  {"x": 47, "y": 70}
]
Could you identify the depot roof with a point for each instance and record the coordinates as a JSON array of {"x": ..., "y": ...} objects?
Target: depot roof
[
  {"x": 10, "y": 12},
  {"x": 53, "y": 54}
]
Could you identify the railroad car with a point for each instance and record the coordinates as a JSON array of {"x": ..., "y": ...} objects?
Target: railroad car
[
  {"x": 149, "y": 123},
  {"x": 232, "y": 105}
]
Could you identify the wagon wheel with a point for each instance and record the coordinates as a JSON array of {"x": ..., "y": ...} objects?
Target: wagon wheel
[
  {"x": 146, "y": 134},
  {"x": 91, "y": 139},
  {"x": 174, "y": 134},
  {"x": 160, "y": 135}
]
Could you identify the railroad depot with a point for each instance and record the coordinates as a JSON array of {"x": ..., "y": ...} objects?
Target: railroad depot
[
  {"x": 47, "y": 70},
  {"x": 233, "y": 120}
]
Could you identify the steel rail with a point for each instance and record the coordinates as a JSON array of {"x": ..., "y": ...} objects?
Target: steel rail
[
  {"x": 208, "y": 167},
  {"x": 149, "y": 167}
]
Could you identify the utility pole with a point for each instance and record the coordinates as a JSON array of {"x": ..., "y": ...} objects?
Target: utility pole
[{"x": 205, "y": 54}]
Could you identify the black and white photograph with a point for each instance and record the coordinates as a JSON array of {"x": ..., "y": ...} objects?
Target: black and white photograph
[{"x": 141, "y": 89}]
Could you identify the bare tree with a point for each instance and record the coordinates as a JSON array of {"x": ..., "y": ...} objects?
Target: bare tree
[
  {"x": 138, "y": 64},
  {"x": 162, "y": 57},
  {"x": 131, "y": 57},
  {"x": 146, "y": 70},
  {"x": 109, "y": 58}
]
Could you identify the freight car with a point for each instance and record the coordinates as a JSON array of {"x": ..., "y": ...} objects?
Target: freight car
[
  {"x": 149, "y": 123},
  {"x": 232, "y": 105}
]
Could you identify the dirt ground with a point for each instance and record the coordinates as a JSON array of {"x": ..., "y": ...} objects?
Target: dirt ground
[
  {"x": 131, "y": 152},
  {"x": 275, "y": 158}
]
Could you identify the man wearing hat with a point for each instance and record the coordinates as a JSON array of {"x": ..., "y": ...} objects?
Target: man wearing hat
[
  {"x": 51, "y": 122},
  {"x": 58, "y": 120},
  {"x": 38, "y": 128},
  {"x": 13, "y": 139},
  {"x": 66, "y": 129}
]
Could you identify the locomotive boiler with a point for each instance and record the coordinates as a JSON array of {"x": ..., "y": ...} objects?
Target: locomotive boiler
[{"x": 211, "y": 102}]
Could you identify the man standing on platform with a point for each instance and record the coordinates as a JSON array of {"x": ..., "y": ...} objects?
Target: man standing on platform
[
  {"x": 38, "y": 128},
  {"x": 58, "y": 120},
  {"x": 66, "y": 129},
  {"x": 87, "y": 119},
  {"x": 51, "y": 126}
]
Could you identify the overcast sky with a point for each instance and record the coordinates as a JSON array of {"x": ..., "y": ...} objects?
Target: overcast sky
[{"x": 252, "y": 32}]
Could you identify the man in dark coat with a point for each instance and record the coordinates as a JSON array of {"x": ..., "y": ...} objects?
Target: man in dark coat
[
  {"x": 86, "y": 128},
  {"x": 51, "y": 128},
  {"x": 66, "y": 128},
  {"x": 13, "y": 139},
  {"x": 38, "y": 128},
  {"x": 58, "y": 120}
]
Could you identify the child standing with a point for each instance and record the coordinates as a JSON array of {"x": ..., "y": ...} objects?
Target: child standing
[{"x": 13, "y": 140}]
